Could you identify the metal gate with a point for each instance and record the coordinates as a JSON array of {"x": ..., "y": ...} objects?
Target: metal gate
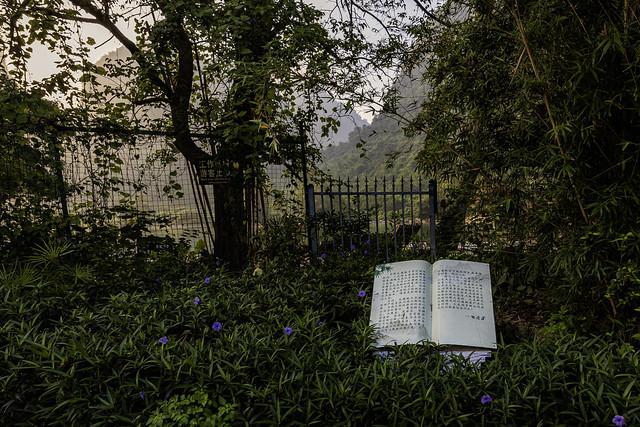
[{"x": 372, "y": 216}]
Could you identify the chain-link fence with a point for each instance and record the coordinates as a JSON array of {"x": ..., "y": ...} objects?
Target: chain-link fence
[{"x": 151, "y": 179}]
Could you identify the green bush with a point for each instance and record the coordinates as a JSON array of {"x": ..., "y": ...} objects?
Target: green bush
[
  {"x": 531, "y": 124},
  {"x": 283, "y": 238},
  {"x": 69, "y": 358},
  {"x": 193, "y": 410}
]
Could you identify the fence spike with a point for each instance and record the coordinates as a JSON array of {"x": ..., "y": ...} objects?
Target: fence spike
[
  {"x": 404, "y": 238},
  {"x": 340, "y": 214},
  {"x": 349, "y": 200},
  {"x": 366, "y": 206},
  {"x": 384, "y": 199},
  {"x": 393, "y": 203},
  {"x": 411, "y": 199},
  {"x": 377, "y": 211}
]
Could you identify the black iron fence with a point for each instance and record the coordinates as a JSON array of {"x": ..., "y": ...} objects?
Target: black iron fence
[{"x": 372, "y": 215}]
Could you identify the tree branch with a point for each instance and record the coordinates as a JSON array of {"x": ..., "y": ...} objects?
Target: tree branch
[
  {"x": 366, "y": 12},
  {"x": 430, "y": 15},
  {"x": 181, "y": 100},
  {"x": 178, "y": 99},
  {"x": 104, "y": 20},
  {"x": 150, "y": 100},
  {"x": 67, "y": 15}
]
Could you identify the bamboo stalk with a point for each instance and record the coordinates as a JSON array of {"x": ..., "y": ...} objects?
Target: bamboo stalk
[{"x": 547, "y": 104}]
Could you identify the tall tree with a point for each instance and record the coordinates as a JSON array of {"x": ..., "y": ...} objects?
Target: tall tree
[
  {"x": 29, "y": 169},
  {"x": 231, "y": 68}
]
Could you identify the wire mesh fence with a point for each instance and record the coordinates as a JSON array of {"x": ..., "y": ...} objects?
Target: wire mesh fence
[
  {"x": 150, "y": 182},
  {"x": 152, "y": 179},
  {"x": 148, "y": 178}
]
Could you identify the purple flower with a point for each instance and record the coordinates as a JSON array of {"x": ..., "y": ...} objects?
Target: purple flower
[
  {"x": 352, "y": 247},
  {"x": 207, "y": 280},
  {"x": 324, "y": 256},
  {"x": 618, "y": 420},
  {"x": 486, "y": 399},
  {"x": 196, "y": 301},
  {"x": 158, "y": 280},
  {"x": 362, "y": 294},
  {"x": 141, "y": 394},
  {"x": 366, "y": 251},
  {"x": 217, "y": 326},
  {"x": 163, "y": 340},
  {"x": 288, "y": 330}
]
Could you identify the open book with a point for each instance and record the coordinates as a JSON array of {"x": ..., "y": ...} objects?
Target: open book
[{"x": 448, "y": 303}]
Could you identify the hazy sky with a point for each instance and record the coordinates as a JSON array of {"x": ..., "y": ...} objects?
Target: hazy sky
[{"x": 42, "y": 63}]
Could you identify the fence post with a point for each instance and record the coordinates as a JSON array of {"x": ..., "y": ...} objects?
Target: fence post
[
  {"x": 62, "y": 190},
  {"x": 311, "y": 214},
  {"x": 309, "y": 199},
  {"x": 433, "y": 206}
]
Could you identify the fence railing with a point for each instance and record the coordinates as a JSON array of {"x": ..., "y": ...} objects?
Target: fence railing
[
  {"x": 372, "y": 215},
  {"x": 376, "y": 215}
]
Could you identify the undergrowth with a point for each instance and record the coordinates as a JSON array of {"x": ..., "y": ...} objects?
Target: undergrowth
[{"x": 291, "y": 346}]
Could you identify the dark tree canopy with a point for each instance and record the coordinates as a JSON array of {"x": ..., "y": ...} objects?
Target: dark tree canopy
[{"x": 533, "y": 120}]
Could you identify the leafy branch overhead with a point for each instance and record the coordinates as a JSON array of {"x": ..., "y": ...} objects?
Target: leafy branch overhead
[
  {"x": 192, "y": 58},
  {"x": 233, "y": 71}
]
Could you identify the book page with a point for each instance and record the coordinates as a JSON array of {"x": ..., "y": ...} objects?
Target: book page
[
  {"x": 401, "y": 303},
  {"x": 462, "y": 304}
]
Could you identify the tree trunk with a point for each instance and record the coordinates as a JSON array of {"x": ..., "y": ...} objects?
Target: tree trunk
[
  {"x": 231, "y": 239},
  {"x": 230, "y": 222}
]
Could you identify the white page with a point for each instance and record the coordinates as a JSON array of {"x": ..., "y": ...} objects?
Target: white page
[
  {"x": 462, "y": 304},
  {"x": 401, "y": 303}
]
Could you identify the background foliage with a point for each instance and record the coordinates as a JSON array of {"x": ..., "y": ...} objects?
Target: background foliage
[
  {"x": 29, "y": 169},
  {"x": 533, "y": 123}
]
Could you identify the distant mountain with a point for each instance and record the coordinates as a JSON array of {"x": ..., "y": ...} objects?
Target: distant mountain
[
  {"x": 348, "y": 122},
  {"x": 375, "y": 150},
  {"x": 382, "y": 147}
]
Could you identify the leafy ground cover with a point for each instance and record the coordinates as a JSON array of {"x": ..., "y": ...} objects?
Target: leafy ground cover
[{"x": 173, "y": 341}]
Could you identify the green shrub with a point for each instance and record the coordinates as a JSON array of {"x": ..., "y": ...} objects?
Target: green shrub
[
  {"x": 70, "y": 360},
  {"x": 531, "y": 124},
  {"x": 283, "y": 237},
  {"x": 193, "y": 410}
]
